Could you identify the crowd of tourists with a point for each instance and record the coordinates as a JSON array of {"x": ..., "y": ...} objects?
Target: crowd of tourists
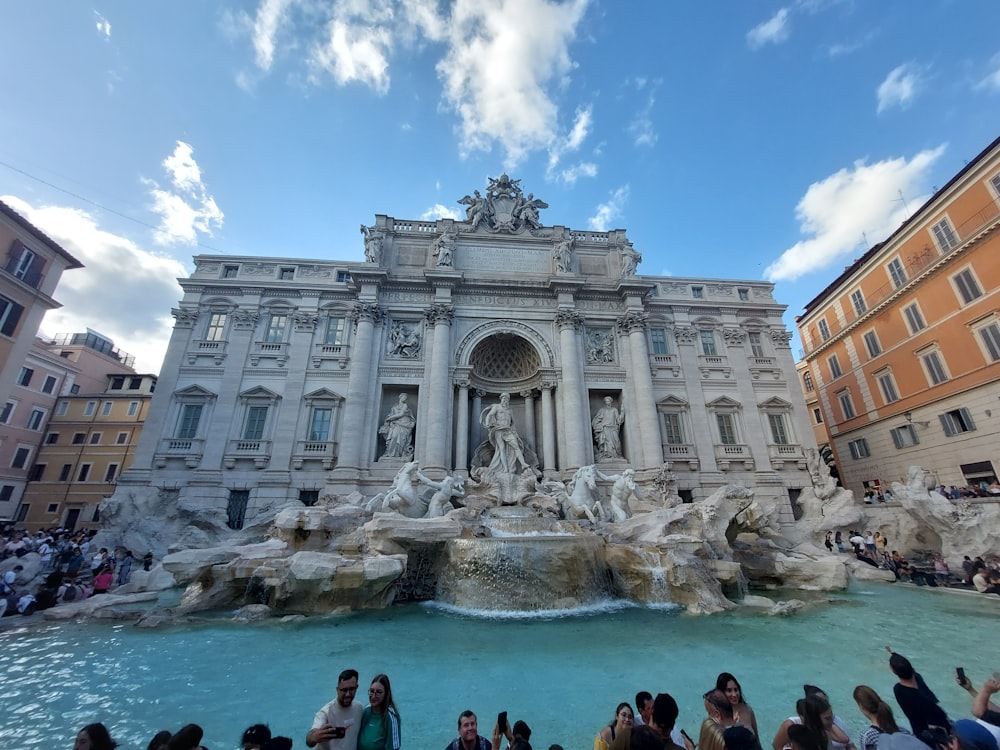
[
  {"x": 73, "y": 570},
  {"x": 729, "y": 722}
]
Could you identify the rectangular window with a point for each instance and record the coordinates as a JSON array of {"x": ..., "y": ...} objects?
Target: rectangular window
[
  {"x": 62, "y": 408},
  {"x": 10, "y": 315},
  {"x": 824, "y": 329},
  {"x": 727, "y": 429},
  {"x": 95, "y": 438},
  {"x": 995, "y": 182},
  {"x": 111, "y": 473},
  {"x": 216, "y": 330},
  {"x": 79, "y": 438},
  {"x": 22, "y": 266},
  {"x": 778, "y": 430},
  {"x": 52, "y": 438},
  {"x": 335, "y": 328},
  {"x": 74, "y": 389},
  {"x": 967, "y": 286},
  {"x": 896, "y": 272},
  {"x": 659, "y": 338},
  {"x": 117, "y": 383},
  {"x": 846, "y": 404},
  {"x": 859, "y": 448},
  {"x": 944, "y": 235},
  {"x": 22, "y": 511},
  {"x": 858, "y": 300},
  {"x": 256, "y": 418},
  {"x": 807, "y": 380},
  {"x": 24, "y": 377},
  {"x": 133, "y": 408},
  {"x": 6, "y": 493},
  {"x": 674, "y": 428},
  {"x": 106, "y": 409},
  {"x": 744, "y": 295},
  {"x": 134, "y": 384},
  {"x": 122, "y": 438},
  {"x": 276, "y": 329},
  {"x": 67, "y": 469},
  {"x": 5, "y": 413},
  {"x": 50, "y": 384},
  {"x": 835, "y": 371},
  {"x": 872, "y": 344},
  {"x": 319, "y": 429},
  {"x": 708, "y": 343},
  {"x": 990, "y": 336},
  {"x": 36, "y": 419},
  {"x": 83, "y": 473},
  {"x": 698, "y": 292},
  {"x": 52, "y": 508},
  {"x": 756, "y": 344},
  {"x": 818, "y": 416},
  {"x": 230, "y": 272},
  {"x": 888, "y": 387},
  {"x": 905, "y": 436},
  {"x": 36, "y": 473},
  {"x": 236, "y": 508},
  {"x": 934, "y": 367},
  {"x": 343, "y": 276},
  {"x": 286, "y": 274},
  {"x": 187, "y": 426},
  {"x": 914, "y": 319},
  {"x": 21, "y": 456},
  {"x": 954, "y": 422},
  {"x": 88, "y": 410}
]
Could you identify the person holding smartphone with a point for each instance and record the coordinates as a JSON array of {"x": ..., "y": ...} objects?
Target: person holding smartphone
[
  {"x": 335, "y": 726},
  {"x": 468, "y": 734}
]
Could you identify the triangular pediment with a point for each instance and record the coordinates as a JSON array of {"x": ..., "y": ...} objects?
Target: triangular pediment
[
  {"x": 724, "y": 402},
  {"x": 775, "y": 403},
  {"x": 260, "y": 392},
  {"x": 673, "y": 401},
  {"x": 195, "y": 391},
  {"x": 323, "y": 394}
]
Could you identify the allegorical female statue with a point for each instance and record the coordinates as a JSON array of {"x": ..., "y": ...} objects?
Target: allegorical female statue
[{"x": 397, "y": 430}]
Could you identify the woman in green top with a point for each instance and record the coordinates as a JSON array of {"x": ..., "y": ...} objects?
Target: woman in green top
[{"x": 380, "y": 721}]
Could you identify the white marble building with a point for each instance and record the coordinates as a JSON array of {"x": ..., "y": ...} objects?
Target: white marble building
[{"x": 282, "y": 374}]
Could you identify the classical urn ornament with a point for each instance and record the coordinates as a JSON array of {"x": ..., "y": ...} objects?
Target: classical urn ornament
[{"x": 504, "y": 208}]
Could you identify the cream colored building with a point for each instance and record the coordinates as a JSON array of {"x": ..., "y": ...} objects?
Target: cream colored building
[{"x": 281, "y": 372}]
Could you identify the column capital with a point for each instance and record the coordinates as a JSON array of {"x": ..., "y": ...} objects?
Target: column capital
[
  {"x": 781, "y": 338},
  {"x": 530, "y": 393},
  {"x": 245, "y": 320},
  {"x": 569, "y": 319},
  {"x": 367, "y": 311},
  {"x": 547, "y": 385},
  {"x": 685, "y": 334},
  {"x": 305, "y": 321},
  {"x": 733, "y": 336},
  {"x": 184, "y": 318},
  {"x": 633, "y": 321},
  {"x": 463, "y": 384},
  {"x": 440, "y": 313}
]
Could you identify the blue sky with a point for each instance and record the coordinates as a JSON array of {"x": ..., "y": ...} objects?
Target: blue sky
[{"x": 748, "y": 139}]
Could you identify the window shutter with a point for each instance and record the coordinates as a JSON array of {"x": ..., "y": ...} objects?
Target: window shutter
[
  {"x": 967, "y": 418},
  {"x": 913, "y": 434},
  {"x": 897, "y": 440},
  {"x": 946, "y": 424}
]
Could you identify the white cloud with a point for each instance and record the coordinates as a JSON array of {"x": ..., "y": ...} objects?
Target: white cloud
[
  {"x": 570, "y": 143},
  {"x": 102, "y": 25},
  {"x": 610, "y": 211},
  {"x": 772, "y": 31},
  {"x": 439, "y": 211},
  {"x": 271, "y": 16},
  {"x": 570, "y": 175},
  {"x": 840, "y": 210},
  {"x": 354, "y": 53},
  {"x": 991, "y": 82},
  {"x": 641, "y": 127},
  {"x": 188, "y": 209},
  {"x": 503, "y": 55},
  {"x": 123, "y": 291},
  {"x": 899, "y": 87}
]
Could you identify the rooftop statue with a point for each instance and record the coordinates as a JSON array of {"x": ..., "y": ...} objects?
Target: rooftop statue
[
  {"x": 373, "y": 244},
  {"x": 503, "y": 209}
]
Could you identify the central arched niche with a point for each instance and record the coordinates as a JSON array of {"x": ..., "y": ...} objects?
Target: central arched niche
[{"x": 505, "y": 361}]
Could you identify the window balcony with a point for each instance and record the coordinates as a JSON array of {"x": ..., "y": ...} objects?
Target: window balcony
[
  {"x": 678, "y": 452},
  {"x": 727, "y": 454},
  {"x": 216, "y": 350},
  {"x": 259, "y": 451},
  {"x": 190, "y": 450},
  {"x": 711, "y": 363},
  {"x": 313, "y": 450},
  {"x": 339, "y": 353},
  {"x": 667, "y": 363},
  {"x": 783, "y": 453},
  {"x": 276, "y": 350},
  {"x": 764, "y": 366}
]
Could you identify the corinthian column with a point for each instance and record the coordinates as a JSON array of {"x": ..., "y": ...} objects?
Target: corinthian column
[
  {"x": 462, "y": 434},
  {"x": 577, "y": 416},
  {"x": 438, "y": 413},
  {"x": 548, "y": 430},
  {"x": 353, "y": 436},
  {"x": 644, "y": 409}
]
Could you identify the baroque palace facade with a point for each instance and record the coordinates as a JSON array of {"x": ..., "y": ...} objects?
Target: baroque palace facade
[{"x": 287, "y": 379}]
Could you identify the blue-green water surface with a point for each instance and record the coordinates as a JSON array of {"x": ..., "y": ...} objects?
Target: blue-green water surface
[{"x": 563, "y": 675}]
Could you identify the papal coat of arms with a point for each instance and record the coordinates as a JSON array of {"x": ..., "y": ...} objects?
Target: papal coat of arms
[{"x": 504, "y": 208}]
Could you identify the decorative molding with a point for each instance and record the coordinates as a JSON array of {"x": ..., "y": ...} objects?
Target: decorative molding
[
  {"x": 631, "y": 322},
  {"x": 245, "y": 320},
  {"x": 440, "y": 313},
  {"x": 368, "y": 312},
  {"x": 733, "y": 336},
  {"x": 685, "y": 334},
  {"x": 781, "y": 338},
  {"x": 569, "y": 319},
  {"x": 305, "y": 322},
  {"x": 184, "y": 317}
]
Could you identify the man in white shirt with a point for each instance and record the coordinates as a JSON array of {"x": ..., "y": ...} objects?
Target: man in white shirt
[{"x": 336, "y": 725}]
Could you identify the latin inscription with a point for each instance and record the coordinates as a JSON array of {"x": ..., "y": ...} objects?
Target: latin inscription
[{"x": 503, "y": 259}]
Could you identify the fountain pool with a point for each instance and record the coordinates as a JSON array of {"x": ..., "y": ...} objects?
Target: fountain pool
[{"x": 563, "y": 675}]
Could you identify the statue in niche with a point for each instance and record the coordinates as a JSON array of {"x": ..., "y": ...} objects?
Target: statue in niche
[
  {"x": 373, "y": 244},
  {"x": 447, "y": 488},
  {"x": 508, "y": 448},
  {"x": 562, "y": 254},
  {"x": 606, "y": 426},
  {"x": 397, "y": 430},
  {"x": 623, "y": 490},
  {"x": 631, "y": 258},
  {"x": 444, "y": 250},
  {"x": 600, "y": 347},
  {"x": 404, "y": 341}
]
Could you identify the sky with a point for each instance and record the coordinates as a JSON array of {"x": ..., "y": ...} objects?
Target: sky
[{"x": 745, "y": 139}]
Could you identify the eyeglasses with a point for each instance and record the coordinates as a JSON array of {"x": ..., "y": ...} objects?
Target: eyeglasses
[
  {"x": 373, "y": 691},
  {"x": 347, "y": 689}
]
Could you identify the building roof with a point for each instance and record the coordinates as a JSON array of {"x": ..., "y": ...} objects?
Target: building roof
[
  {"x": 39, "y": 235},
  {"x": 914, "y": 218}
]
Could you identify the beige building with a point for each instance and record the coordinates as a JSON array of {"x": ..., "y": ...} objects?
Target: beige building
[
  {"x": 903, "y": 348},
  {"x": 287, "y": 378}
]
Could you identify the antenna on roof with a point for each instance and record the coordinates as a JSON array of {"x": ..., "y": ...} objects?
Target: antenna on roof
[
  {"x": 902, "y": 200},
  {"x": 864, "y": 237}
]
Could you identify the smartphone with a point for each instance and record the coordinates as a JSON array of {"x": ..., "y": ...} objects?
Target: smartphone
[
  {"x": 960, "y": 674},
  {"x": 502, "y": 721},
  {"x": 339, "y": 733},
  {"x": 685, "y": 736},
  {"x": 889, "y": 650}
]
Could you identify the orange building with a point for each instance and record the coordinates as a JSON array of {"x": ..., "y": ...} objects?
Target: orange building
[{"x": 903, "y": 348}]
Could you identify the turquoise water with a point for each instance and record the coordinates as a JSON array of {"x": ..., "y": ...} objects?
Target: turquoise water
[{"x": 564, "y": 676}]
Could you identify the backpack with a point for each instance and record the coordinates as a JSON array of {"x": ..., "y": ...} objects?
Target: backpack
[{"x": 70, "y": 594}]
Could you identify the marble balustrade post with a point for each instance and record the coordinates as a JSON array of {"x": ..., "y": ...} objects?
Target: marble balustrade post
[{"x": 353, "y": 435}]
